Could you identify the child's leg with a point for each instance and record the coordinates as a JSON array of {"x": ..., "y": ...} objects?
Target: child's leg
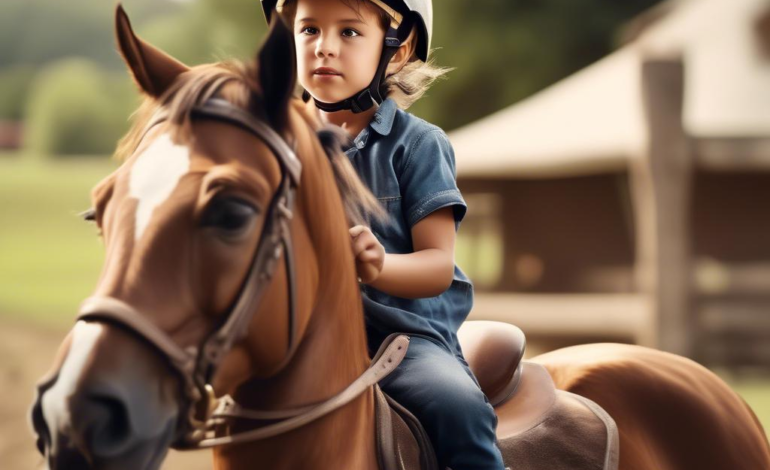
[{"x": 433, "y": 384}]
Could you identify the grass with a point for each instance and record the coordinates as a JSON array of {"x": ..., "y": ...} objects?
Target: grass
[{"x": 49, "y": 257}]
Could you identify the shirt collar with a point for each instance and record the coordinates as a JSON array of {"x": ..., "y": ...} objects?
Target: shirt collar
[{"x": 382, "y": 122}]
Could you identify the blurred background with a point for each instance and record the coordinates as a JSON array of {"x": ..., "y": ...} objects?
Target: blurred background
[{"x": 615, "y": 157}]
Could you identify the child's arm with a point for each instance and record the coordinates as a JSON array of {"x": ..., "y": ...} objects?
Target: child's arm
[{"x": 425, "y": 273}]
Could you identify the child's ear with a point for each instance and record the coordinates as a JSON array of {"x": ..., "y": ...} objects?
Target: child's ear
[
  {"x": 153, "y": 70},
  {"x": 276, "y": 71},
  {"x": 403, "y": 54}
]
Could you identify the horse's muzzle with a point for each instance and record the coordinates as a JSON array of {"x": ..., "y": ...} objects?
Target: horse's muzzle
[{"x": 118, "y": 413}]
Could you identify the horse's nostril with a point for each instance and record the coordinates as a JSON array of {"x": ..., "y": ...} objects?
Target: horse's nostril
[
  {"x": 37, "y": 418},
  {"x": 68, "y": 458},
  {"x": 41, "y": 429},
  {"x": 106, "y": 425}
]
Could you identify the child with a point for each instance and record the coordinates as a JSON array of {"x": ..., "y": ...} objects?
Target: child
[{"x": 351, "y": 54}]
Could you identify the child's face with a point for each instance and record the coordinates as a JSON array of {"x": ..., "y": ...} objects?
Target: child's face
[{"x": 332, "y": 35}]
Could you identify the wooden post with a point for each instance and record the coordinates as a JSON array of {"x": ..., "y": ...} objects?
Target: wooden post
[{"x": 661, "y": 184}]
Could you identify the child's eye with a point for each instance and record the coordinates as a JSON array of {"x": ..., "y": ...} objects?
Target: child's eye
[
  {"x": 309, "y": 30},
  {"x": 350, "y": 33}
]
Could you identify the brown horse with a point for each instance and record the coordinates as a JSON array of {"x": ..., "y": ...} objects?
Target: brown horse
[{"x": 229, "y": 263}]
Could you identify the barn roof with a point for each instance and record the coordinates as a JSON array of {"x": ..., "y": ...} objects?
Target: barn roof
[{"x": 593, "y": 121}]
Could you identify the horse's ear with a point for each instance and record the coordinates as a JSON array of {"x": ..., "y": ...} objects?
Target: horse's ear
[
  {"x": 153, "y": 70},
  {"x": 277, "y": 74}
]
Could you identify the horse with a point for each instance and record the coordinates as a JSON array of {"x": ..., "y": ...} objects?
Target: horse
[{"x": 228, "y": 315}]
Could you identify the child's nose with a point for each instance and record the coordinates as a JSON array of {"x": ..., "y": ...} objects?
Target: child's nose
[{"x": 326, "y": 46}]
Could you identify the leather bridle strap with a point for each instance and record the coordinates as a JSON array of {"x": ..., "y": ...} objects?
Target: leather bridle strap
[
  {"x": 223, "y": 110},
  {"x": 119, "y": 312},
  {"x": 274, "y": 241}
]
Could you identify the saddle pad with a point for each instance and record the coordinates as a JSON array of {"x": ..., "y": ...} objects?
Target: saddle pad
[{"x": 575, "y": 434}]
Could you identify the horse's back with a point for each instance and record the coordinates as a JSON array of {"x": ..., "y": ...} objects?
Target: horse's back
[{"x": 671, "y": 412}]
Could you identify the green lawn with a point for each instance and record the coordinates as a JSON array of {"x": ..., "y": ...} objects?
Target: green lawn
[{"x": 49, "y": 257}]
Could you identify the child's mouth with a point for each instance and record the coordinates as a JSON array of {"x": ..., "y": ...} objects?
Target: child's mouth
[{"x": 326, "y": 71}]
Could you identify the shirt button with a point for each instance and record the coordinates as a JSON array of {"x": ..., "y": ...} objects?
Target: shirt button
[{"x": 377, "y": 118}]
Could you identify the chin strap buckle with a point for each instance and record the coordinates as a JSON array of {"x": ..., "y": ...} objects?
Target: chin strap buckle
[
  {"x": 392, "y": 42},
  {"x": 362, "y": 102}
]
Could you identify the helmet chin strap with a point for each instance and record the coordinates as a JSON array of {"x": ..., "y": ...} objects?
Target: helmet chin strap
[{"x": 366, "y": 98}]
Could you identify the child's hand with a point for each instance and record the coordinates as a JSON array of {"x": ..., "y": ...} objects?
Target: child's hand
[{"x": 369, "y": 253}]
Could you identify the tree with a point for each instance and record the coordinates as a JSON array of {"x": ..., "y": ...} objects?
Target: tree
[{"x": 76, "y": 108}]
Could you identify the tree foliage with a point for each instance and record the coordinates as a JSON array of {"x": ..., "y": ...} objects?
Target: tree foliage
[
  {"x": 502, "y": 51},
  {"x": 76, "y": 108},
  {"x": 36, "y": 32},
  {"x": 14, "y": 87}
]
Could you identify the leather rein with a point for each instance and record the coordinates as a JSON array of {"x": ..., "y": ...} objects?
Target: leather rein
[{"x": 196, "y": 365}]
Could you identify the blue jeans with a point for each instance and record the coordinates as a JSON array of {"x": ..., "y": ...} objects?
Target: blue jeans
[{"x": 439, "y": 388}]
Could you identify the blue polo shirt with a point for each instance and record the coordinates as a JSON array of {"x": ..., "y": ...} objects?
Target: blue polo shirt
[{"x": 409, "y": 165}]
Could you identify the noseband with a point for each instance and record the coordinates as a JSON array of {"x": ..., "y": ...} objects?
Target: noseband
[{"x": 197, "y": 365}]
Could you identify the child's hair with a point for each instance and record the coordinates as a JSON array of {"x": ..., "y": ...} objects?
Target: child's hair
[{"x": 411, "y": 82}]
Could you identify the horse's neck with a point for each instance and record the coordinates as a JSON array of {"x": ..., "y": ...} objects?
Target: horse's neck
[{"x": 332, "y": 355}]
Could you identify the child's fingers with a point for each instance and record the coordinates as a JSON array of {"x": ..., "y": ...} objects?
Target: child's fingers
[
  {"x": 368, "y": 256},
  {"x": 363, "y": 242},
  {"x": 357, "y": 230}
]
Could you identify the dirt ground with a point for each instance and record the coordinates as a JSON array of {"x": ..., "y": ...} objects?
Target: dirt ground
[{"x": 25, "y": 355}]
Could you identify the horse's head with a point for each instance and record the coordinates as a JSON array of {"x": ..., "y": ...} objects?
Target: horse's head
[{"x": 204, "y": 224}]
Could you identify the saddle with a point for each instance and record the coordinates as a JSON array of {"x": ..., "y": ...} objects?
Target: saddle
[{"x": 539, "y": 427}]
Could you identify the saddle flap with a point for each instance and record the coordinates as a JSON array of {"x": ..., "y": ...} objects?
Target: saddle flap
[
  {"x": 402, "y": 443},
  {"x": 542, "y": 428}
]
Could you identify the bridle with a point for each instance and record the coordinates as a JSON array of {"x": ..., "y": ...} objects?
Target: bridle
[{"x": 197, "y": 365}]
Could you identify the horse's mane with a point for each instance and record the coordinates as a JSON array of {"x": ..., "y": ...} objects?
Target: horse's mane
[
  {"x": 359, "y": 203},
  {"x": 201, "y": 83}
]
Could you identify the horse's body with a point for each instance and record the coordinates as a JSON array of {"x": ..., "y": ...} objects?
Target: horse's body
[{"x": 175, "y": 259}]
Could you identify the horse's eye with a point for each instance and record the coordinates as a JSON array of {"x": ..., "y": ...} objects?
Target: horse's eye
[{"x": 229, "y": 214}]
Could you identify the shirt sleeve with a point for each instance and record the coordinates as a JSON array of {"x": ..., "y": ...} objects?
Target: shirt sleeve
[{"x": 428, "y": 180}]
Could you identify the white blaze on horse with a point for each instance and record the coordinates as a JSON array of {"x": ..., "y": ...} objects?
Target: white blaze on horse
[{"x": 229, "y": 273}]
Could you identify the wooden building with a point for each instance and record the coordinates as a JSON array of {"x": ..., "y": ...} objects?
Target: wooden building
[{"x": 630, "y": 201}]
